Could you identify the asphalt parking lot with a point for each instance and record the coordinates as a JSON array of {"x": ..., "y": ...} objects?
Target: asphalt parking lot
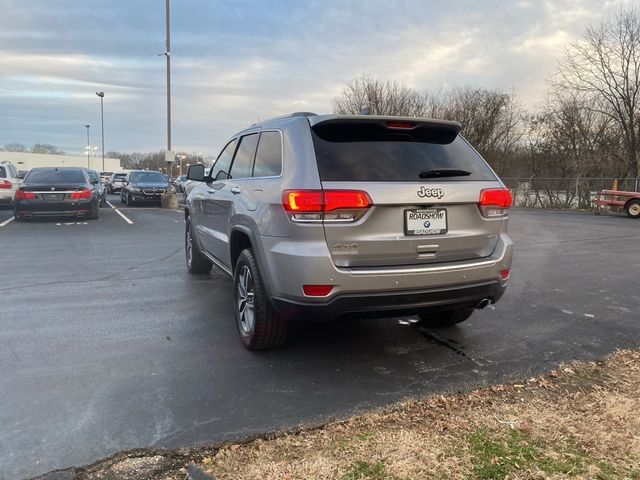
[{"x": 108, "y": 344}]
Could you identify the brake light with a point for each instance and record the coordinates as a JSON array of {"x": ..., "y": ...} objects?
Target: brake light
[
  {"x": 494, "y": 202},
  {"x": 327, "y": 205},
  {"x": 5, "y": 184},
  {"x": 398, "y": 124},
  {"x": 81, "y": 194},
  {"x": 504, "y": 274},
  {"x": 22, "y": 195},
  {"x": 317, "y": 290}
]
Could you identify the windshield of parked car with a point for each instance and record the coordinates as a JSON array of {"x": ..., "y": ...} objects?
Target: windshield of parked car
[
  {"x": 55, "y": 176},
  {"x": 147, "y": 177}
]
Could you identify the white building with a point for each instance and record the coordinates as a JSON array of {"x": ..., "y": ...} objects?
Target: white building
[{"x": 27, "y": 161}]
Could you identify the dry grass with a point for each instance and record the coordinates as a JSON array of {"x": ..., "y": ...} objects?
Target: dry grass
[{"x": 580, "y": 421}]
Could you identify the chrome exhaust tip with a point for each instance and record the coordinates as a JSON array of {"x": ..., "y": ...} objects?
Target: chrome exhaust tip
[{"x": 483, "y": 303}]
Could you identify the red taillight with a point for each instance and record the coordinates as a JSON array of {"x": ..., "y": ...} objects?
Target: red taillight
[
  {"x": 504, "y": 274},
  {"x": 81, "y": 194},
  {"x": 398, "y": 124},
  {"x": 22, "y": 195},
  {"x": 315, "y": 205},
  {"x": 302, "y": 200},
  {"x": 317, "y": 290},
  {"x": 494, "y": 202},
  {"x": 6, "y": 184},
  {"x": 339, "y": 199}
]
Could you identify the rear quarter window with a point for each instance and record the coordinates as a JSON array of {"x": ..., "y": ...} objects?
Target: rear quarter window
[
  {"x": 353, "y": 153},
  {"x": 269, "y": 155},
  {"x": 3, "y": 172}
]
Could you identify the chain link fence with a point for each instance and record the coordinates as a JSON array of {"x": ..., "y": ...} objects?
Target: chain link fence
[{"x": 564, "y": 192}]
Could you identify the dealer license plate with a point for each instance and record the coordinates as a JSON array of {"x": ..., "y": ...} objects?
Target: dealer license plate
[{"x": 425, "y": 221}]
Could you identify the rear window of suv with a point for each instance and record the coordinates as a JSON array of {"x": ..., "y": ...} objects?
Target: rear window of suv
[
  {"x": 372, "y": 153},
  {"x": 3, "y": 172},
  {"x": 55, "y": 176}
]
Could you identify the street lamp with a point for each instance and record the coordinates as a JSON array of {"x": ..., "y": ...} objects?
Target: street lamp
[
  {"x": 181, "y": 158},
  {"x": 86, "y": 125},
  {"x": 101, "y": 95}
]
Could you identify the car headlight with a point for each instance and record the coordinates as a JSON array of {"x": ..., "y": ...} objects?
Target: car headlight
[{"x": 134, "y": 189}]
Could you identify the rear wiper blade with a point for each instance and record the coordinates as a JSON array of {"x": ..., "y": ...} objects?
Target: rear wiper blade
[{"x": 444, "y": 172}]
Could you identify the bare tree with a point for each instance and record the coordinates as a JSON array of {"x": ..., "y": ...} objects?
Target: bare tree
[
  {"x": 491, "y": 120},
  {"x": 13, "y": 147},
  {"x": 605, "y": 64},
  {"x": 380, "y": 97},
  {"x": 46, "y": 148}
]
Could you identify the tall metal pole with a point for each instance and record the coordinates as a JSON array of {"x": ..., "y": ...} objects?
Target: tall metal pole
[
  {"x": 102, "y": 122},
  {"x": 101, "y": 95},
  {"x": 168, "y": 55},
  {"x": 86, "y": 125}
]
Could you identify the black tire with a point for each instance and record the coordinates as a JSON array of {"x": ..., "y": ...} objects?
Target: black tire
[
  {"x": 197, "y": 263},
  {"x": 447, "y": 318},
  {"x": 18, "y": 217},
  {"x": 95, "y": 211},
  {"x": 633, "y": 209},
  {"x": 127, "y": 200},
  {"x": 267, "y": 330},
  {"x": 121, "y": 199}
]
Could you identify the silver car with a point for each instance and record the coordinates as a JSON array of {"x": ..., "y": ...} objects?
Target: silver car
[
  {"x": 10, "y": 180},
  {"x": 317, "y": 217}
]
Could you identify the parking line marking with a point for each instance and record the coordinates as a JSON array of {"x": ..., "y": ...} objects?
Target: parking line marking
[
  {"x": 126, "y": 219},
  {"x": 7, "y": 221}
]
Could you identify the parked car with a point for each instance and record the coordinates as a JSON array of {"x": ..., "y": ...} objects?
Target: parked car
[
  {"x": 177, "y": 183},
  {"x": 56, "y": 192},
  {"x": 98, "y": 185},
  {"x": 104, "y": 177},
  {"x": 143, "y": 186},
  {"x": 10, "y": 180},
  {"x": 114, "y": 185},
  {"x": 315, "y": 217}
]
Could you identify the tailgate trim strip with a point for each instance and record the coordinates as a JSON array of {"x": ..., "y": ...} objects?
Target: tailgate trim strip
[{"x": 420, "y": 269}]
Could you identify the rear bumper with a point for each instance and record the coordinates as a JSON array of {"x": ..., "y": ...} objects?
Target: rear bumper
[
  {"x": 390, "y": 304},
  {"x": 53, "y": 209}
]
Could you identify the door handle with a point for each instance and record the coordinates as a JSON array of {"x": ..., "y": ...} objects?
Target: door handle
[
  {"x": 211, "y": 191},
  {"x": 235, "y": 190}
]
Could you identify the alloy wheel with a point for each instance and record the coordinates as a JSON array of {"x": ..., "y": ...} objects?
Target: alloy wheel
[{"x": 246, "y": 300}]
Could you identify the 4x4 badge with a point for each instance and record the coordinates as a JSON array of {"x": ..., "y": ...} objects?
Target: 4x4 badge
[{"x": 430, "y": 192}]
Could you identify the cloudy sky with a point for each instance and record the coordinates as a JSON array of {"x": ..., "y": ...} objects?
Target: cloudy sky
[{"x": 237, "y": 61}]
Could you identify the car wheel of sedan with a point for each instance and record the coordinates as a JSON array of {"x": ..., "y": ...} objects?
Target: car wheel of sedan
[
  {"x": 18, "y": 217},
  {"x": 447, "y": 318},
  {"x": 196, "y": 261},
  {"x": 127, "y": 200},
  {"x": 258, "y": 323},
  {"x": 95, "y": 211}
]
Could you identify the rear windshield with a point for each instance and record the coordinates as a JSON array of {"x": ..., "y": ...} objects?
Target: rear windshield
[
  {"x": 119, "y": 176},
  {"x": 348, "y": 152},
  {"x": 3, "y": 172},
  {"x": 55, "y": 176},
  {"x": 149, "y": 177}
]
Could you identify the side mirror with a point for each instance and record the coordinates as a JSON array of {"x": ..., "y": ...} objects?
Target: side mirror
[{"x": 196, "y": 172}]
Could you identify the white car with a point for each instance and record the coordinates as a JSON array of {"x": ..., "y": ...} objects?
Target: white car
[{"x": 9, "y": 182}]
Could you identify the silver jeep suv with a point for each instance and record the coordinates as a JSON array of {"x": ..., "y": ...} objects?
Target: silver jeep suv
[{"x": 320, "y": 216}]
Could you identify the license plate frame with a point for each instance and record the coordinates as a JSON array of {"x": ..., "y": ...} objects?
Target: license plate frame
[
  {"x": 426, "y": 231},
  {"x": 53, "y": 197}
]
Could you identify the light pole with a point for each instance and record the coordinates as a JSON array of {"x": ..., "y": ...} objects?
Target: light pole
[
  {"x": 181, "y": 157},
  {"x": 167, "y": 54},
  {"x": 101, "y": 95},
  {"x": 86, "y": 125}
]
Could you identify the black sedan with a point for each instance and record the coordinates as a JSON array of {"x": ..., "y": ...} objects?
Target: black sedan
[
  {"x": 144, "y": 186},
  {"x": 56, "y": 192}
]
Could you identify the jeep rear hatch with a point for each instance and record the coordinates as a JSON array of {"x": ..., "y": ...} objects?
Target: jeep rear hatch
[{"x": 424, "y": 182}]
